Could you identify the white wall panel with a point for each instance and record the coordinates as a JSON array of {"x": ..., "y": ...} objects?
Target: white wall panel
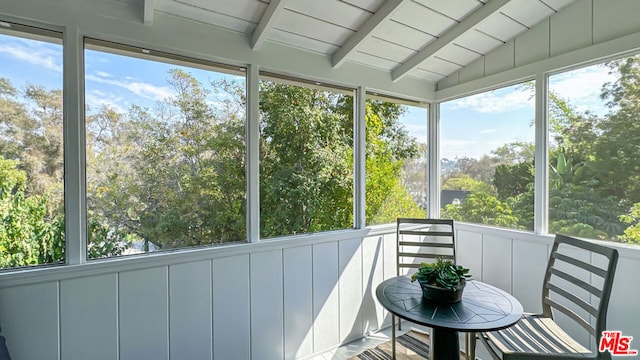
[
  {"x": 372, "y": 276},
  {"x": 317, "y": 289},
  {"x": 625, "y": 297},
  {"x": 496, "y": 261},
  {"x": 469, "y": 252},
  {"x": 500, "y": 59},
  {"x": 572, "y": 28},
  {"x": 532, "y": 45},
  {"x": 326, "y": 307},
  {"x": 190, "y": 310},
  {"x": 267, "y": 318},
  {"x": 350, "y": 270},
  {"x": 472, "y": 71},
  {"x": 29, "y": 321},
  {"x": 612, "y": 19},
  {"x": 529, "y": 265},
  {"x": 298, "y": 302},
  {"x": 143, "y": 316},
  {"x": 231, "y": 311},
  {"x": 89, "y": 318}
]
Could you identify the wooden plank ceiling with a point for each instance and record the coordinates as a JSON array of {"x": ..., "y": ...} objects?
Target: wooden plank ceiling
[{"x": 425, "y": 39}]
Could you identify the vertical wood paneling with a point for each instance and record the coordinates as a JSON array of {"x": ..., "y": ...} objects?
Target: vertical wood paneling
[
  {"x": 496, "y": 261},
  {"x": 89, "y": 318},
  {"x": 625, "y": 297},
  {"x": 473, "y": 71},
  {"x": 143, "y": 317},
  {"x": 298, "y": 302},
  {"x": 231, "y": 308},
  {"x": 29, "y": 321},
  {"x": 529, "y": 265},
  {"x": 572, "y": 28},
  {"x": 533, "y": 44},
  {"x": 267, "y": 318},
  {"x": 350, "y": 269},
  {"x": 372, "y": 276},
  {"x": 190, "y": 310},
  {"x": 325, "y": 296},
  {"x": 500, "y": 59},
  {"x": 612, "y": 19},
  {"x": 469, "y": 252}
]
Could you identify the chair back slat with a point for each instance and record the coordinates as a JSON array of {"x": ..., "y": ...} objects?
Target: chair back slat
[
  {"x": 573, "y": 261},
  {"x": 423, "y": 240},
  {"x": 574, "y": 299},
  {"x": 574, "y": 280},
  {"x": 579, "y": 288},
  {"x": 572, "y": 314}
]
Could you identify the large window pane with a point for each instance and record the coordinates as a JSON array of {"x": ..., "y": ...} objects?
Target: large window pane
[
  {"x": 165, "y": 153},
  {"x": 594, "y": 153},
  {"x": 31, "y": 147},
  {"x": 396, "y": 161},
  {"x": 306, "y": 158},
  {"x": 487, "y": 151}
]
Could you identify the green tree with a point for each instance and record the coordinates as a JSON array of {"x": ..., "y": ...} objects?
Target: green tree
[
  {"x": 29, "y": 235},
  {"x": 481, "y": 208}
]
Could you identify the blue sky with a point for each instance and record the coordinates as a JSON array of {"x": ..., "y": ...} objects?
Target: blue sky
[{"x": 471, "y": 126}]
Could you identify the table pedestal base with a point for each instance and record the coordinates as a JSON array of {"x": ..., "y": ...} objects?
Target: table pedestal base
[{"x": 446, "y": 345}]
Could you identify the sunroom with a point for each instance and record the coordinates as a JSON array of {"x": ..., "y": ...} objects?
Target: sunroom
[{"x": 220, "y": 179}]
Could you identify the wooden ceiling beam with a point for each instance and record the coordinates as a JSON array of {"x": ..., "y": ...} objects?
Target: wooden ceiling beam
[
  {"x": 450, "y": 36},
  {"x": 385, "y": 11},
  {"x": 269, "y": 17}
]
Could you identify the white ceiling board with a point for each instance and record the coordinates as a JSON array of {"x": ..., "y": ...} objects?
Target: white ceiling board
[
  {"x": 439, "y": 66},
  {"x": 403, "y": 35},
  {"x": 501, "y": 27},
  {"x": 558, "y": 4},
  {"x": 369, "y": 5},
  {"x": 478, "y": 42},
  {"x": 250, "y": 10},
  {"x": 457, "y": 54},
  {"x": 371, "y": 60},
  {"x": 425, "y": 75},
  {"x": 375, "y": 46},
  {"x": 204, "y": 16},
  {"x": 423, "y": 19},
  {"x": 457, "y": 9},
  {"x": 334, "y": 11},
  {"x": 309, "y": 27},
  {"x": 301, "y": 42},
  {"x": 527, "y": 12}
]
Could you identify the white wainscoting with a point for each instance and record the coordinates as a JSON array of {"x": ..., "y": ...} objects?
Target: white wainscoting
[{"x": 285, "y": 299}]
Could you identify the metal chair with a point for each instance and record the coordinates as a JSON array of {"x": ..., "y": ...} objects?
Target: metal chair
[
  {"x": 577, "y": 289},
  {"x": 423, "y": 240}
]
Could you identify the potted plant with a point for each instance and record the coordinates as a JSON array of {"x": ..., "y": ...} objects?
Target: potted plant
[{"x": 441, "y": 281}]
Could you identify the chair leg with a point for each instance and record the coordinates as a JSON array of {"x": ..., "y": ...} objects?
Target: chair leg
[
  {"x": 470, "y": 343},
  {"x": 393, "y": 337}
]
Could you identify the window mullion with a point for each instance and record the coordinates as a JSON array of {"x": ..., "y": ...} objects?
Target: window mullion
[
  {"x": 541, "y": 200},
  {"x": 359, "y": 185},
  {"x": 74, "y": 148},
  {"x": 433, "y": 168},
  {"x": 253, "y": 154}
]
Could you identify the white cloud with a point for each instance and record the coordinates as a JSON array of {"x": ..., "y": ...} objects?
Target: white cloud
[
  {"x": 96, "y": 99},
  {"x": 497, "y": 101},
  {"x": 34, "y": 53},
  {"x": 582, "y": 87},
  {"x": 103, "y": 74},
  {"x": 488, "y": 131},
  {"x": 142, "y": 89}
]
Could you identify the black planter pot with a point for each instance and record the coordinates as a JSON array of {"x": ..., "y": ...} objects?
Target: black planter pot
[{"x": 442, "y": 295}]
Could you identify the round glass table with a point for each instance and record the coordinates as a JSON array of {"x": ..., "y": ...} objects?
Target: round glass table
[{"x": 483, "y": 308}]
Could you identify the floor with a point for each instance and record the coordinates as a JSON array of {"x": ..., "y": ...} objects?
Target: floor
[{"x": 354, "y": 348}]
